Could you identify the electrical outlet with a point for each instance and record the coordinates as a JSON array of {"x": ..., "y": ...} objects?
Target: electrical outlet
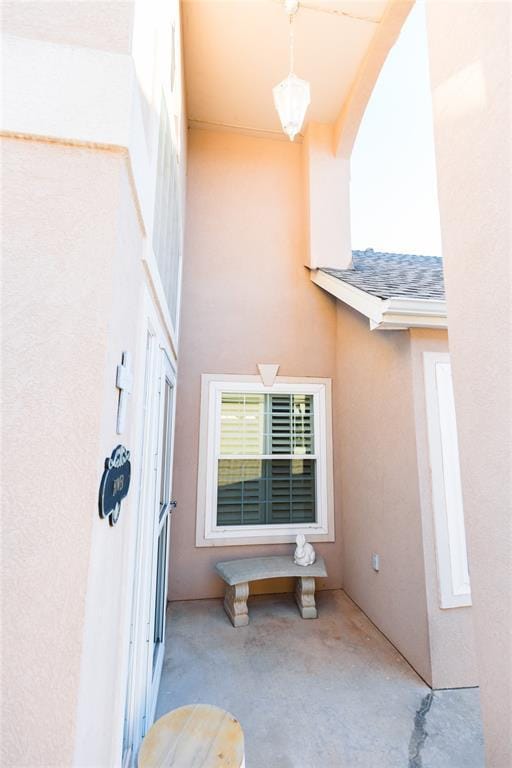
[{"x": 375, "y": 561}]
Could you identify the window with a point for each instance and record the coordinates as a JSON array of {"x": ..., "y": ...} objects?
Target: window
[
  {"x": 265, "y": 469},
  {"x": 167, "y": 222},
  {"x": 265, "y": 459}
]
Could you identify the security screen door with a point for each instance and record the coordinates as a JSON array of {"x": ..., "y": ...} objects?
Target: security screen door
[
  {"x": 162, "y": 507},
  {"x": 147, "y": 633}
]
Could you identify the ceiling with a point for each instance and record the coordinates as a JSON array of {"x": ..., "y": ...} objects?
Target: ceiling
[{"x": 237, "y": 50}]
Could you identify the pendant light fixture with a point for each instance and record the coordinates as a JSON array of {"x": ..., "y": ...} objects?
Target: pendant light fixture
[{"x": 291, "y": 96}]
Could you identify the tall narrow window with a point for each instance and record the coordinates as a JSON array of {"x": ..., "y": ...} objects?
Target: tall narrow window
[{"x": 167, "y": 221}]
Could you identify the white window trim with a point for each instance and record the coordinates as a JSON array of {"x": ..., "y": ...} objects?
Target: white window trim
[
  {"x": 450, "y": 538},
  {"x": 208, "y": 534}
]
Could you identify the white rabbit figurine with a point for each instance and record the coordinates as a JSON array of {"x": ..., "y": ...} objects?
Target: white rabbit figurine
[{"x": 304, "y": 552}]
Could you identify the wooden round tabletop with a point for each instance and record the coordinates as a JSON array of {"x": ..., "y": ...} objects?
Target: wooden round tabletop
[{"x": 195, "y": 736}]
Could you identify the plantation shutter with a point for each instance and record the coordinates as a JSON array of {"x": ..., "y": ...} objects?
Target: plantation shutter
[{"x": 266, "y": 473}]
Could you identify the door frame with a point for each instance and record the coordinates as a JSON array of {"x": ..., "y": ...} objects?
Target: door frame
[{"x": 156, "y": 355}]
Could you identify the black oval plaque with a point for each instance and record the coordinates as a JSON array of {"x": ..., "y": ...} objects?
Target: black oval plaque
[{"x": 115, "y": 483}]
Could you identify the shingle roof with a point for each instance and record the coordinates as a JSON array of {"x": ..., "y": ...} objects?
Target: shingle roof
[{"x": 392, "y": 275}]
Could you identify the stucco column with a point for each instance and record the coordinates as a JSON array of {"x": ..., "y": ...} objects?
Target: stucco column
[
  {"x": 326, "y": 179},
  {"x": 470, "y": 63}
]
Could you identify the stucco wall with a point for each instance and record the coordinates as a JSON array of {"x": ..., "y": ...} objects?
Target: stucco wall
[
  {"x": 386, "y": 497},
  {"x": 247, "y": 299},
  {"x": 91, "y": 23},
  {"x": 470, "y": 74},
  {"x": 375, "y": 439},
  {"x": 106, "y": 641},
  {"x": 59, "y": 233},
  {"x": 73, "y": 280}
]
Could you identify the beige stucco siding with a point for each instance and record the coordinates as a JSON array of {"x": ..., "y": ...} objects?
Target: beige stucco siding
[
  {"x": 247, "y": 299},
  {"x": 451, "y": 637},
  {"x": 376, "y": 450},
  {"x": 78, "y": 265},
  {"x": 106, "y": 642},
  {"x": 72, "y": 258},
  {"x": 470, "y": 74},
  {"x": 96, "y": 24},
  {"x": 59, "y": 233}
]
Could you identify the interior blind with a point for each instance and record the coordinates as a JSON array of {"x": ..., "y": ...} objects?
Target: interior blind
[{"x": 266, "y": 463}]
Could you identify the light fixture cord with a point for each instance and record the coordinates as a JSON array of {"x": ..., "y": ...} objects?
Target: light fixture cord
[{"x": 292, "y": 57}]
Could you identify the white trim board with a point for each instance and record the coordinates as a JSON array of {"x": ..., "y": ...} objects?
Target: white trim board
[
  {"x": 395, "y": 314},
  {"x": 450, "y": 537}
]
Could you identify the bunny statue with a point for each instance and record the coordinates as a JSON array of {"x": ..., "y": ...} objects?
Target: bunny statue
[{"x": 304, "y": 552}]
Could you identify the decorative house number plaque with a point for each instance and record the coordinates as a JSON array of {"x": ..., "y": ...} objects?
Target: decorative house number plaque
[{"x": 115, "y": 483}]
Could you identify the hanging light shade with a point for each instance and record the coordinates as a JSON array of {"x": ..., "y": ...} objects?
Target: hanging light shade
[
  {"x": 291, "y": 99},
  {"x": 291, "y": 95}
]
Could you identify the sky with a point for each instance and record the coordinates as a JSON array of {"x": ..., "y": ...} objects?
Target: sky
[{"x": 393, "y": 179}]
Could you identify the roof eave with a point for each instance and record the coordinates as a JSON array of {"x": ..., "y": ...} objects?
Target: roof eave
[{"x": 396, "y": 314}]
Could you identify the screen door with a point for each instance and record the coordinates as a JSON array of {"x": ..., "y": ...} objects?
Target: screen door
[
  {"x": 163, "y": 506},
  {"x": 147, "y": 633}
]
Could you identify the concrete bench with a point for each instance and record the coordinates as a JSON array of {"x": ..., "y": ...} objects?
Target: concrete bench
[{"x": 238, "y": 573}]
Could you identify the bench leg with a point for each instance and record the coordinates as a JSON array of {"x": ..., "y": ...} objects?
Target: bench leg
[
  {"x": 305, "y": 597},
  {"x": 235, "y": 604}
]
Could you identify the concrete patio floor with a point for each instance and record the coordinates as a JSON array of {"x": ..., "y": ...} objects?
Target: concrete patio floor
[{"x": 326, "y": 693}]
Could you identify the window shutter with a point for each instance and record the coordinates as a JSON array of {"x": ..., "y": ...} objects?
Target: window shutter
[
  {"x": 292, "y": 424},
  {"x": 278, "y": 486},
  {"x": 240, "y": 493},
  {"x": 291, "y": 492},
  {"x": 302, "y": 424}
]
